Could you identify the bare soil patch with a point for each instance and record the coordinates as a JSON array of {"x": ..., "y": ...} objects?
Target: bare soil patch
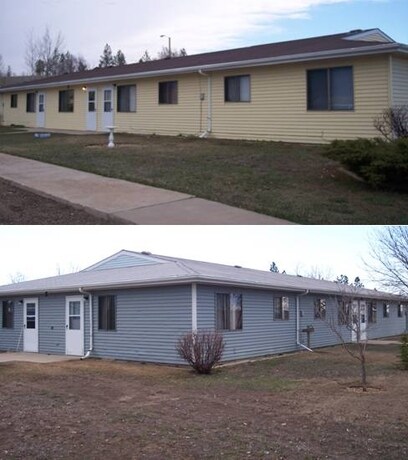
[
  {"x": 22, "y": 207},
  {"x": 288, "y": 408}
]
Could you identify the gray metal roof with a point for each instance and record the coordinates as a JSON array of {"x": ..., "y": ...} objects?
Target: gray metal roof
[{"x": 162, "y": 270}]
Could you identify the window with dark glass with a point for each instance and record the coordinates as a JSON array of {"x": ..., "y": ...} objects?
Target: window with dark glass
[
  {"x": 400, "y": 310},
  {"x": 13, "y": 101},
  {"x": 8, "y": 314},
  {"x": 126, "y": 99},
  {"x": 372, "y": 312},
  {"x": 107, "y": 312},
  {"x": 330, "y": 89},
  {"x": 386, "y": 310},
  {"x": 30, "y": 102},
  {"x": 168, "y": 92},
  {"x": 237, "y": 89},
  {"x": 320, "y": 309},
  {"x": 66, "y": 101},
  {"x": 344, "y": 313},
  {"x": 229, "y": 312},
  {"x": 31, "y": 315},
  {"x": 281, "y": 308}
]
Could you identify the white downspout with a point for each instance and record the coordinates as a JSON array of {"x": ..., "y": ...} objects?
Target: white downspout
[
  {"x": 298, "y": 321},
  {"x": 209, "y": 105},
  {"x": 88, "y": 353},
  {"x": 194, "y": 307}
]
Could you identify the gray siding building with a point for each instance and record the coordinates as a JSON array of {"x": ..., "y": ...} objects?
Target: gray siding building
[{"x": 135, "y": 306}]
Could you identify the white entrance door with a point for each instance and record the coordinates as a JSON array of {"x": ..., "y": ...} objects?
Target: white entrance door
[
  {"x": 359, "y": 320},
  {"x": 92, "y": 110},
  {"x": 41, "y": 111},
  {"x": 107, "y": 117},
  {"x": 31, "y": 325},
  {"x": 74, "y": 326}
]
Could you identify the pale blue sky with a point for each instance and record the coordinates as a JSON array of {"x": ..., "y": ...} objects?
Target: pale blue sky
[
  {"x": 37, "y": 251},
  {"x": 198, "y": 26}
]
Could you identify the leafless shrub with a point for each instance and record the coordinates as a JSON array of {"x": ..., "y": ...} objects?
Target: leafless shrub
[
  {"x": 392, "y": 123},
  {"x": 201, "y": 349}
]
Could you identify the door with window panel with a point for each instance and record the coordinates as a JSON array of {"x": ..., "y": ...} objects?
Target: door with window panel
[
  {"x": 41, "y": 111},
  {"x": 107, "y": 116},
  {"x": 92, "y": 110},
  {"x": 74, "y": 326},
  {"x": 31, "y": 325}
]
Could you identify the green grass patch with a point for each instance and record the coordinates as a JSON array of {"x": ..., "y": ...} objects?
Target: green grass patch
[{"x": 291, "y": 181}]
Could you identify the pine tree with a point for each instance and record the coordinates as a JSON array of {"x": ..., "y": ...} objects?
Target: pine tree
[
  {"x": 119, "y": 59},
  {"x": 107, "y": 59},
  {"x": 274, "y": 268}
]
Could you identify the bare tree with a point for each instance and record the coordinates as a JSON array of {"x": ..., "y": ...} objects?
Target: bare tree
[
  {"x": 164, "y": 53},
  {"x": 389, "y": 258},
  {"x": 45, "y": 56},
  {"x": 145, "y": 57},
  {"x": 392, "y": 123},
  {"x": 350, "y": 322},
  {"x": 17, "y": 277},
  {"x": 314, "y": 271},
  {"x": 2, "y": 67}
]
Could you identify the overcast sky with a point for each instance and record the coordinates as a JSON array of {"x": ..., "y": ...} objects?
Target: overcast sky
[
  {"x": 38, "y": 251},
  {"x": 200, "y": 25}
]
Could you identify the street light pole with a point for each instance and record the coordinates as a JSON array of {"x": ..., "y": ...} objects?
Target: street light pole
[{"x": 162, "y": 36}]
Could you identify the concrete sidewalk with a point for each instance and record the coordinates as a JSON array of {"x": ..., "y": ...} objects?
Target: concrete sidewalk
[{"x": 132, "y": 203}]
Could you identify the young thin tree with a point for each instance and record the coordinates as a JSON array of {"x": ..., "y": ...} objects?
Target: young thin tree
[{"x": 350, "y": 322}]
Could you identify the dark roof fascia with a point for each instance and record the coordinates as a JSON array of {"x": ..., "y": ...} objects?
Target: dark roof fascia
[
  {"x": 374, "y": 295},
  {"x": 286, "y": 59}
]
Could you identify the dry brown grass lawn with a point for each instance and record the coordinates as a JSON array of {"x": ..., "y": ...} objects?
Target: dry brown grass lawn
[{"x": 297, "y": 406}]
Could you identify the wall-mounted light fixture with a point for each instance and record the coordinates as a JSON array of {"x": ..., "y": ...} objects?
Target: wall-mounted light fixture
[{"x": 84, "y": 88}]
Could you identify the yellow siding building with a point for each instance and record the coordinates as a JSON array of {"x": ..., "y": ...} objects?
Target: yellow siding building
[{"x": 311, "y": 90}]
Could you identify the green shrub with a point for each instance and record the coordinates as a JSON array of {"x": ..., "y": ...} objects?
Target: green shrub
[
  {"x": 382, "y": 164},
  {"x": 404, "y": 352}
]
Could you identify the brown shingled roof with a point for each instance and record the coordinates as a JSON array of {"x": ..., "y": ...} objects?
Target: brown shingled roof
[{"x": 308, "y": 46}]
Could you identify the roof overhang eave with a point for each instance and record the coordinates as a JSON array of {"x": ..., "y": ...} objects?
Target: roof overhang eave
[
  {"x": 287, "y": 59},
  {"x": 199, "y": 280}
]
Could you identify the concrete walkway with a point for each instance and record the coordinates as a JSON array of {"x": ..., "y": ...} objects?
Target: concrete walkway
[
  {"x": 132, "y": 203},
  {"x": 34, "y": 358}
]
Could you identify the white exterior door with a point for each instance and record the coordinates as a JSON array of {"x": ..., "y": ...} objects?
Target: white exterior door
[
  {"x": 363, "y": 320},
  {"x": 41, "y": 110},
  {"x": 31, "y": 325},
  {"x": 92, "y": 110},
  {"x": 107, "y": 116},
  {"x": 74, "y": 326},
  {"x": 359, "y": 320}
]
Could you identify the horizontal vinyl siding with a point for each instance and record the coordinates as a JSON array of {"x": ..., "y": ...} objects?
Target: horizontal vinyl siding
[
  {"x": 260, "y": 334},
  {"x": 51, "y": 334},
  {"x": 65, "y": 120},
  {"x": 386, "y": 327},
  {"x": 148, "y": 324},
  {"x": 12, "y": 339},
  {"x": 277, "y": 110},
  {"x": 322, "y": 336},
  {"x": 169, "y": 119},
  {"x": 399, "y": 81},
  {"x": 18, "y": 115},
  {"x": 278, "y": 107}
]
